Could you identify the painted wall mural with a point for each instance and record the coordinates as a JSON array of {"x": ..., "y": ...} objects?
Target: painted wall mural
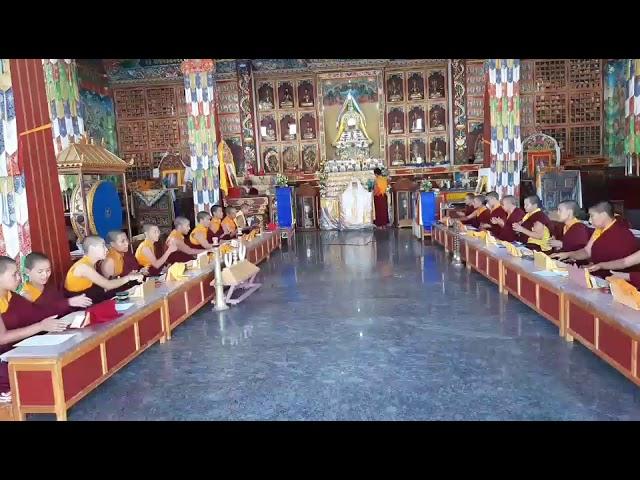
[
  {"x": 15, "y": 238},
  {"x": 614, "y": 111},
  {"x": 506, "y": 144},
  {"x": 97, "y": 98},
  {"x": 632, "y": 106}
]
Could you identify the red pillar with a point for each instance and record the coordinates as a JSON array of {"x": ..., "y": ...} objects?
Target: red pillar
[{"x": 38, "y": 162}]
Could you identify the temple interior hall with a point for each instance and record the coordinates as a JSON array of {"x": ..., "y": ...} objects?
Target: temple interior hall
[{"x": 319, "y": 239}]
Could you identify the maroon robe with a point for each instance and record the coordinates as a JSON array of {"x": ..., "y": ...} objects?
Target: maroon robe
[
  {"x": 507, "y": 233},
  {"x": 53, "y": 300},
  {"x": 635, "y": 279},
  {"x": 615, "y": 243},
  {"x": 382, "y": 210},
  {"x": 21, "y": 313},
  {"x": 528, "y": 224},
  {"x": 498, "y": 212},
  {"x": 576, "y": 237},
  {"x": 130, "y": 264},
  {"x": 468, "y": 210}
]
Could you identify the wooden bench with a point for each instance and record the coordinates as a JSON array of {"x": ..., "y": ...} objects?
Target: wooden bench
[
  {"x": 6, "y": 412},
  {"x": 52, "y": 379},
  {"x": 607, "y": 328}
]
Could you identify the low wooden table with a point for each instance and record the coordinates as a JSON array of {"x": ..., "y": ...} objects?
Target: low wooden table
[
  {"x": 607, "y": 328},
  {"x": 53, "y": 379}
]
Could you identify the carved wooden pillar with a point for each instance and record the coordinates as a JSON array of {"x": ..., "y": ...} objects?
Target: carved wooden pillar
[
  {"x": 199, "y": 88},
  {"x": 47, "y": 233},
  {"x": 245, "y": 91}
]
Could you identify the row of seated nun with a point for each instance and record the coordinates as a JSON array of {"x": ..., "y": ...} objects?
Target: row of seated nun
[
  {"x": 97, "y": 276},
  {"x": 608, "y": 248}
]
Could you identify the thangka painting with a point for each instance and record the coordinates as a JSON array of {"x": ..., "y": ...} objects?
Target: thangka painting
[
  {"x": 100, "y": 119},
  {"x": 614, "y": 121},
  {"x": 351, "y": 115},
  {"x": 15, "y": 239}
]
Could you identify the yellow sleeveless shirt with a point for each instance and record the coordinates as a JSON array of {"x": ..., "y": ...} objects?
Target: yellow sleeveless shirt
[
  {"x": 78, "y": 284},
  {"x": 142, "y": 259}
]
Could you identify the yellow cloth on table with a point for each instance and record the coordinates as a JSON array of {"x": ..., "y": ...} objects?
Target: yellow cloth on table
[
  {"x": 176, "y": 272},
  {"x": 542, "y": 260},
  {"x": 481, "y": 234},
  {"x": 513, "y": 251},
  {"x": 489, "y": 239},
  {"x": 625, "y": 293}
]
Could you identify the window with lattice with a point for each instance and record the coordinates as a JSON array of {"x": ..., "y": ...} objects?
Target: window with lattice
[
  {"x": 560, "y": 134},
  {"x": 133, "y": 135},
  {"x": 550, "y": 74},
  {"x": 585, "y": 141},
  {"x": 551, "y": 108},
  {"x": 164, "y": 134},
  {"x": 585, "y": 107},
  {"x": 161, "y": 101},
  {"x": 130, "y": 104},
  {"x": 584, "y": 73}
]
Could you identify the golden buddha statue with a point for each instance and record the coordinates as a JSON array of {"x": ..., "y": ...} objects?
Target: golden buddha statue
[
  {"x": 396, "y": 126},
  {"x": 352, "y": 138},
  {"x": 289, "y": 160},
  {"x": 269, "y": 132},
  {"x": 437, "y": 122},
  {"x": 417, "y": 122},
  {"x": 416, "y": 155},
  {"x": 436, "y": 86},
  {"x": 395, "y": 93},
  {"x": 309, "y": 159},
  {"x": 397, "y": 155},
  {"x": 306, "y": 100},
  {"x": 308, "y": 133},
  {"x": 287, "y": 100},
  {"x": 266, "y": 99},
  {"x": 416, "y": 92}
]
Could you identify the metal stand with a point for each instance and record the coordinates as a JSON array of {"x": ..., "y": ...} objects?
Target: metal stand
[
  {"x": 217, "y": 269},
  {"x": 248, "y": 285},
  {"x": 457, "y": 260}
]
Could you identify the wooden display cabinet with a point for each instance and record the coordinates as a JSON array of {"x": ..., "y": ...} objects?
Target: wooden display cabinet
[
  {"x": 307, "y": 207},
  {"x": 403, "y": 204}
]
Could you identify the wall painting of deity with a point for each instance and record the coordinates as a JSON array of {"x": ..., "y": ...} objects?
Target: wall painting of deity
[
  {"x": 271, "y": 159},
  {"x": 290, "y": 158},
  {"x": 309, "y": 157}
]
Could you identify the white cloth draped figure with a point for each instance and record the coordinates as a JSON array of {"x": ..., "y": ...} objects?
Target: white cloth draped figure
[{"x": 356, "y": 207}]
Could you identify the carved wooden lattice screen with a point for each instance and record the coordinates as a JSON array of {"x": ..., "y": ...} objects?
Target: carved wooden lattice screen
[
  {"x": 151, "y": 120},
  {"x": 563, "y": 98}
]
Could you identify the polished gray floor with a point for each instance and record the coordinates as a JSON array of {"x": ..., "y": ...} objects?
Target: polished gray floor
[{"x": 366, "y": 326}]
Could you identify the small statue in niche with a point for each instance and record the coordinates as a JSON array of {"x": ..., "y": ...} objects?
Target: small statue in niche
[
  {"x": 309, "y": 159},
  {"x": 437, "y": 118},
  {"x": 436, "y": 85},
  {"x": 398, "y": 155},
  {"x": 416, "y": 154},
  {"x": 396, "y": 125},
  {"x": 271, "y": 161},
  {"x": 416, "y": 92},
  {"x": 306, "y": 100},
  {"x": 308, "y": 133},
  {"x": 437, "y": 154},
  {"x": 269, "y": 132},
  {"x": 289, "y": 128},
  {"x": 266, "y": 97},
  {"x": 395, "y": 90},
  {"x": 417, "y": 122},
  {"x": 287, "y": 99},
  {"x": 289, "y": 160}
]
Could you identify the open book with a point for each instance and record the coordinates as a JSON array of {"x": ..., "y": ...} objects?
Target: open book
[{"x": 76, "y": 319}]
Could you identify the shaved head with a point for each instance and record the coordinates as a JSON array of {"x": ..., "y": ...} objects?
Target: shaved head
[
  {"x": 511, "y": 200},
  {"x": 92, "y": 241},
  {"x": 534, "y": 200},
  {"x": 113, "y": 235},
  {"x": 480, "y": 199},
  {"x": 6, "y": 263},
  {"x": 493, "y": 195},
  {"x": 179, "y": 221},
  {"x": 33, "y": 258},
  {"x": 203, "y": 216},
  {"x": 570, "y": 205},
  {"x": 602, "y": 207},
  {"x": 147, "y": 227}
]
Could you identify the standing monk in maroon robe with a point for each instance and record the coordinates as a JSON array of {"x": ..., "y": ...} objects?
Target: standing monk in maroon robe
[
  {"x": 575, "y": 234},
  {"x": 514, "y": 215},
  {"x": 380, "y": 199},
  {"x": 45, "y": 295},
  {"x": 610, "y": 241},
  {"x": 495, "y": 211},
  {"x": 19, "y": 319},
  {"x": 480, "y": 213}
]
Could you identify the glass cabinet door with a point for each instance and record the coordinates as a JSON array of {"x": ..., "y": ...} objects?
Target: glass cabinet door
[
  {"x": 404, "y": 205},
  {"x": 306, "y": 212}
]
